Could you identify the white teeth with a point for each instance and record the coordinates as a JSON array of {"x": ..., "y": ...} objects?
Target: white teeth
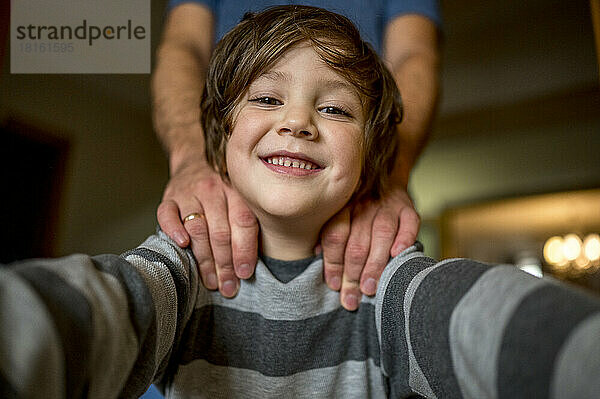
[{"x": 291, "y": 163}]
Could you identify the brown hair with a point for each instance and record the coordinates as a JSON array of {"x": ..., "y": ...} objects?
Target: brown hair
[{"x": 261, "y": 39}]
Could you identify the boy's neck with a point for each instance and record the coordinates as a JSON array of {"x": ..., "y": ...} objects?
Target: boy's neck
[{"x": 288, "y": 239}]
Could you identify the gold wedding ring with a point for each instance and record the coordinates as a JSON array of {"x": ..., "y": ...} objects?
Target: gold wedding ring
[{"x": 192, "y": 216}]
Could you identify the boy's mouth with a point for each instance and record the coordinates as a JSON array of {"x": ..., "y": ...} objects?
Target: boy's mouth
[
  {"x": 291, "y": 160},
  {"x": 292, "y": 163}
]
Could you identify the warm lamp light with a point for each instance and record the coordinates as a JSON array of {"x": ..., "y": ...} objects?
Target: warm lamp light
[
  {"x": 571, "y": 247},
  {"x": 591, "y": 247},
  {"x": 571, "y": 254},
  {"x": 553, "y": 252},
  {"x": 582, "y": 263}
]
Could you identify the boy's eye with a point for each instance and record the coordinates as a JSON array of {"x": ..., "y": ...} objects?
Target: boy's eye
[
  {"x": 266, "y": 100},
  {"x": 334, "y": 110}
]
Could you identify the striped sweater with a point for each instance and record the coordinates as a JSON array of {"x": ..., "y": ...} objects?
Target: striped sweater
[{"x": 108, "y": 326}]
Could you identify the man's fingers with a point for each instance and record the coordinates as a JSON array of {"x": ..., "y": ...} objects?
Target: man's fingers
[
  {"x": 383, "y": 232},
  {"x": 244, "y": 234},
  {"x": 359, "y": 242},
  {"x": 350, "y": 294},
  {"x": 333, "y": 242},
  {"x": 355, "y": 256},
  {"x": 170, "y": 222},
  {"x": 407, "y": 233},
  {"x": 196, "y": 190},
  {"x": 198, "y": 230},
  {"x": 215, "y": 210}
]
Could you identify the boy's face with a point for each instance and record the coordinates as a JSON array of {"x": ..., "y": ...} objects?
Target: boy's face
[{"x": 295, "y": 147}]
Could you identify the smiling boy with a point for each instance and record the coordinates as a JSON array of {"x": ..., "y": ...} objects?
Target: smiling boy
[
  {"x": 307, "y": 95},
  {"x": 297, "y": 113}
]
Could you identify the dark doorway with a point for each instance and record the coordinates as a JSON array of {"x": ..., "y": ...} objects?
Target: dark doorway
[{"x": 32, "y": 174}]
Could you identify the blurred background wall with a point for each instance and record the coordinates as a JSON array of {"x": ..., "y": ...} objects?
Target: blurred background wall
[{"x": 519, "y": 115}]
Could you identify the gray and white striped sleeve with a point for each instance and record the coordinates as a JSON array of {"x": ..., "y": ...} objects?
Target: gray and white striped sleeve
[
  {"x": 101, "y": 326},
  {"x": 465, "y": 329}
]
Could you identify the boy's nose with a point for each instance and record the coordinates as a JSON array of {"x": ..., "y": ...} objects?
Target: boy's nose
[{"x": 298, "y": 124}]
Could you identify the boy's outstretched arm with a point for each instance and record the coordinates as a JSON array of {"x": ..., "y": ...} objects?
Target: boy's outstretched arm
[
  {"x": 359, "y": 241},
  {"x": 96, "y": 327},
  {"x": 465, "y": 329}
]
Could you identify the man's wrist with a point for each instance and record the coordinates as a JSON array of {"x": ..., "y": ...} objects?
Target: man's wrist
[
  {"x": 186, "y": 148},
  {"x": 399, "y": 177},
  {"x": 402, "y": 168},
  {"x": 186, "y": 159}
]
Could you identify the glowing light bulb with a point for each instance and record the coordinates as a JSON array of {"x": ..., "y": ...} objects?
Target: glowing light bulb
[
  {"x": 553, "y": 251},
  {"x": 582, "y": 263},
  {"x": 571, "y": 247},
  {"x": 591, "y": 247}
]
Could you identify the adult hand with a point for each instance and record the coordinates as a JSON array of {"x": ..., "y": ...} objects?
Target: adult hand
[
  {"x": 358, "y": 241},
  {"x": 224, "y": 232}
]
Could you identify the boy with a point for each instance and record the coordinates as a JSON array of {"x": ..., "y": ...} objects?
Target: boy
[{"x": 298, "y": 114}]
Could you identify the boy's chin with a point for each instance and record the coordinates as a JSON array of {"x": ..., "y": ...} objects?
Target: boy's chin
[
  {"x": 293, "y": 204},
  {"x": 288, "y": 211}
]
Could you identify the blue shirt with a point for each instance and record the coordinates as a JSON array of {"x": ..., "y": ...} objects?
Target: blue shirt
[{"x": 370, "y": 16}]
